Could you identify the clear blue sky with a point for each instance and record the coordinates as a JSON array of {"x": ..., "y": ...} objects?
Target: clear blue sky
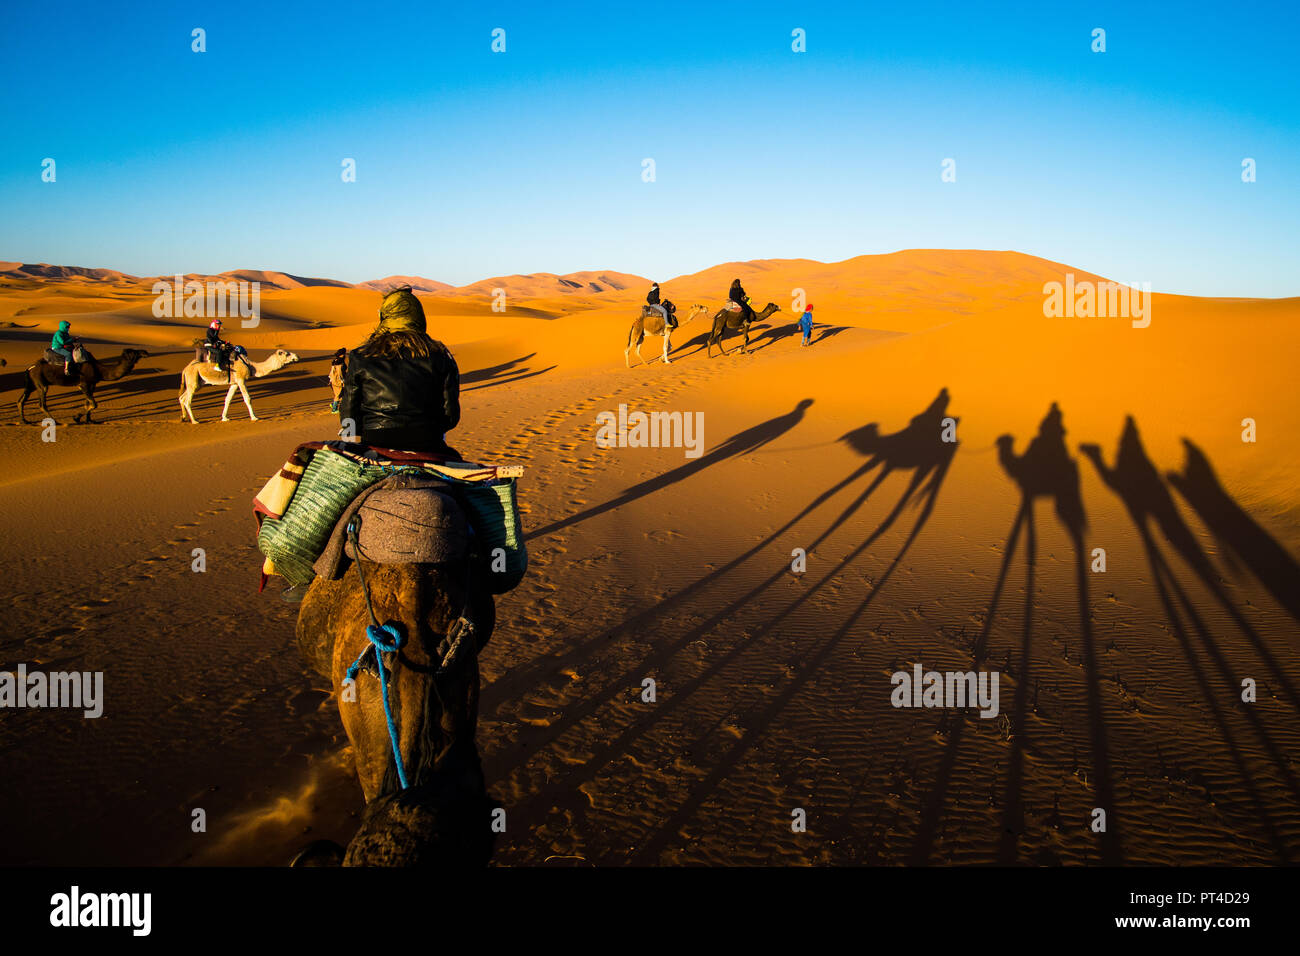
[{"x": 472, "y": 164}]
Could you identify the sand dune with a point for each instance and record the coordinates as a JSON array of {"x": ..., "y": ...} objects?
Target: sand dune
[{"x": 1120, "y": 687}]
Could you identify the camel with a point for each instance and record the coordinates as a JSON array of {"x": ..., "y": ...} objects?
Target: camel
[
  {"x": 650, "y": 322},
  {"x": 444, "y": 815},
  {"x": 89, "y": 374},
  {"x": 236, "y": 378},
  {"x": 726, "y": 319}
]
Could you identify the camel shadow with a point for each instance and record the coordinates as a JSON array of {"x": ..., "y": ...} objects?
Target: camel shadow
[
  {"x": 1045, "y": 470},
  {"x": 1237, "y": 533},
  {"x": 502, "y": 374},
  {"x": 1135, "y": 480},
  {"x": 918, "y": 448}
]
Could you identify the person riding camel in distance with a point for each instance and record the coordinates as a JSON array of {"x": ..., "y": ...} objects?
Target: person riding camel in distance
[
  {"x": 63, "y": 343},
  {"x": 216, "y": 347},
  {"x": 402, "y": 388},
  {"x": 666, "y": 308},
  {"x": 737, "y": 295}
]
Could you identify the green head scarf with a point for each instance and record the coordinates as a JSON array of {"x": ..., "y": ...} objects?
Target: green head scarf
[{"x": 401, "y": 312}]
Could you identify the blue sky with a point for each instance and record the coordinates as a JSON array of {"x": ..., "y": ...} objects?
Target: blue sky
[{"x": 472, "y": 164}]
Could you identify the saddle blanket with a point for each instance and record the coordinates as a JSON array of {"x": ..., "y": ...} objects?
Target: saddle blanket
[
  {"x": 303, "y": 508},
  {"x": 79, "y": 356}
]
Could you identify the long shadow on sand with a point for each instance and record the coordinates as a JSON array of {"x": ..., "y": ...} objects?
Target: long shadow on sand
[
  {"x": 741, "y": 443},
  {"x": 1137, "y": 483},
  {"x": 1045, "y": 470},
  {"x": 919, "y": 448},
  {"x": 1238, "y": 534},
  {"x": 503, "y": 374}
]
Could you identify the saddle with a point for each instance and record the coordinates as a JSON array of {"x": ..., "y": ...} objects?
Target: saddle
[
  {"x": 667, "y": 311},
  {"x": 79, "y": 356},
  {"x": 733, "y": 306}
]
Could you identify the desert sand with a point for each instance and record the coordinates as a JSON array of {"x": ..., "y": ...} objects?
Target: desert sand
[{"x": 773, "y": 688}]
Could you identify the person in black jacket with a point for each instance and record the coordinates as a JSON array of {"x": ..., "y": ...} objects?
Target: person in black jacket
[
  {"x": 652, "y": 297},
  {"x": 737, "y": 295},
  {"x": 402, "y": 388}
]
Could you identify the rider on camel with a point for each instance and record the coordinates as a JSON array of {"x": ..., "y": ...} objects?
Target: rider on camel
[{"x": 63, "y": 343}]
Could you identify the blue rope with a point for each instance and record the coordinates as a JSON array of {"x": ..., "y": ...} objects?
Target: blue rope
[{"x": 375, "y": 633}]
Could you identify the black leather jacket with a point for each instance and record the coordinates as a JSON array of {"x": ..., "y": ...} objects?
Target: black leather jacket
[{"x": 403, "y": 403}]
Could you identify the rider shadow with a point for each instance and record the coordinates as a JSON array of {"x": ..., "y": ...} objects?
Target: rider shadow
[
  {"x": 866, "y": 441},
  {"x": 921, "y": 448},
  {"x": 1138, "y": 484},
  {"x": 492, "y": 372},
  {"x": 741, "y": 443},
  {"x": 1045, "y": 470},
  {"x": 1237, "y": 533},
  {"x": 698, "y": 342},
  {"x": 918, "y": 448},
  {"x": 771, "y": 334},
  {"x": 504, "y": 374}
]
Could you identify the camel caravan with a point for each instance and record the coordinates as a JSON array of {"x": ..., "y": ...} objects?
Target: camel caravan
[
  {"x": 660, "y": 318},
  {"x": 68, "y": 363}
]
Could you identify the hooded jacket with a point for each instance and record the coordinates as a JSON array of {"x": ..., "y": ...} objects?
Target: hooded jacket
[
  {"x": 406, "y": 402},
  {"x": 62, "y": 338}
]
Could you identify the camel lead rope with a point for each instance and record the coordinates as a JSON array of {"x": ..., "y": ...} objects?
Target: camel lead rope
[{"x": 375, "y": 633}]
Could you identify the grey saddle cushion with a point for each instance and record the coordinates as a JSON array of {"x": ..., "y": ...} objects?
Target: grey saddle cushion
[{"x": 411, "y": 525}]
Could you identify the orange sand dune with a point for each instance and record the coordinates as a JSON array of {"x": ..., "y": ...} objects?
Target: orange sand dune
[{"x": 1119, "y": 688}]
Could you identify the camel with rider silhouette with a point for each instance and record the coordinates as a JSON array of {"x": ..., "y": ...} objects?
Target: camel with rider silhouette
[
  {"x": 236, "y": 376},
  {"x": 84, "y": 376},
  {"x": 727, "y": 319},
  {"x": 652, "y": 321}
]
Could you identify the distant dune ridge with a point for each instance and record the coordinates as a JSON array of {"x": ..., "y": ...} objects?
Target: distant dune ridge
[{"x": 533, "y": 285}]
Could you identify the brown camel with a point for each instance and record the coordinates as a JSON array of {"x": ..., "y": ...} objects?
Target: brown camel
[
  {"x": 651, "y": 322},
  {"x": 444, "y": 816},
  {"x": 42, "y": 375},
  {"x": 726, "y": 319}
]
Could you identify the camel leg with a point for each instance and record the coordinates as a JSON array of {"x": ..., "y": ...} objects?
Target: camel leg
[
  {"x": 89, "y": 392},
  {"x": 225, "y": 409},
  {"x": 639, "y": 336},
  {"x": 667, "y": 345},
  {"x": 630, "y": 336},
  {"x": 188, "y": 389},
  {"x": 744, "y": 346},
  {"x": 248, "y": 402},
  {"x": 28, "y": 388},
  {"x": 41, "y": 391}
]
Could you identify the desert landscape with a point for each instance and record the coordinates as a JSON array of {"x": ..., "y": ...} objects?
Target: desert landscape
[{"x": 1121, "y": 688}]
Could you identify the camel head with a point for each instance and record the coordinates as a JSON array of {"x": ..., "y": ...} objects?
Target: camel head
[
  {"x": 769, "y": 309},
  {"x": 697, "y": 310},
  {"x": 131, "y": 356},
  {"x": 282, "y": 357}
]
